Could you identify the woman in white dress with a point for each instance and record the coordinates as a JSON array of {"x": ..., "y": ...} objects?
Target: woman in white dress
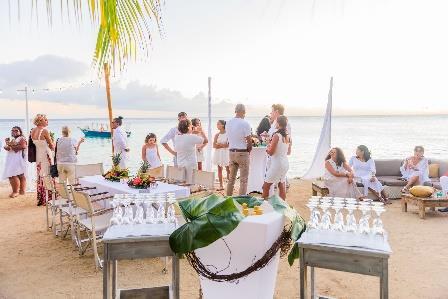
[
  {"x": 221, "y": 154},
  {"x": 364, "y": 170},
  {"x": 339, "y": 177},
  {"x": 150, "y": 151},
  {"x": 415, "y": 169},
  {"x": 279, "y": 148},
  {"x": 15, "y": 163},
  {"x": 120, "y": 141},
  {"x": 44, "y": 154},
  {"x": 185, "y": 146},
  {"x": 197, "y": 128},
  {"x": 67, "y": 149}
]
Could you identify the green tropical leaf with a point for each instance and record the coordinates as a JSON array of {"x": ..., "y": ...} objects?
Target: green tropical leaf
[
  {"x": 298, "y": 225},
  {"x": 249, "y": 200},
  {"x": 208, "y": 219}
]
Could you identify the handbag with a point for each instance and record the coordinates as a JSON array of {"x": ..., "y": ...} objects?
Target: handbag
[
  {"x": 31, "y": 150},
  {"x": 54, "y": 168}
]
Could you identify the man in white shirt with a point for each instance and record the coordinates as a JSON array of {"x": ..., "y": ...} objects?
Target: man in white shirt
[
  {"x": 120, "y": 141},
  {"x": 170, "y": 136},
  {"x": 240, "y": 144},
  {"x": 277, "y": 110}
]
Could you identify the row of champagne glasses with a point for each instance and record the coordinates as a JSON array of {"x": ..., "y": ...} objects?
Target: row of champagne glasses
[
  {"x": 143, "y": 208},
  {"x": 323, "y": 221}
]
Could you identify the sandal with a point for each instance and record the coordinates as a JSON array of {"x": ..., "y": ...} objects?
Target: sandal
[{"x": 404, "y": 190}]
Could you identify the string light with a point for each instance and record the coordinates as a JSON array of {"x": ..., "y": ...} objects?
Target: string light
[{"x": 60, "y": 88}]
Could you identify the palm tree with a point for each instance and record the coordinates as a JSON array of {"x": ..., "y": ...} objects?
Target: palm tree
[{"x": 124, "y": 26}]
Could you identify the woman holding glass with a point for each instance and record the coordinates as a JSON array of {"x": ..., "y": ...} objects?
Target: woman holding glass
[
  {"x": 415, "y": 169},
  {"x": 15, "y": 163}
]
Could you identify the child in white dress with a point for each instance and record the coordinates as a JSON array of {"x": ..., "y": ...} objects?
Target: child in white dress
[
  {"x": 150, "y": 151},
  {"x": 221, "y": 154}
]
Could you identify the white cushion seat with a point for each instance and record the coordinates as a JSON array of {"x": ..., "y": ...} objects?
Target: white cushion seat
[{"x": 102, "y": 222}]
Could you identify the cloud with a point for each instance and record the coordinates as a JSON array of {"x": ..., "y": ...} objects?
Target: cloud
[{"x": 40, "y": 71}]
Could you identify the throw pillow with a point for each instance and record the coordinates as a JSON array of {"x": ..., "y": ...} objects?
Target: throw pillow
[{"x": 422, "y": 191}]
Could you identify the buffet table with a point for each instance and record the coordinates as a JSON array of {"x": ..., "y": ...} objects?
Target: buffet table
[
  {"x": 257, "y": 169},
  {"x": 240, "y": 249},
  {"x": 113, "y": 188}
]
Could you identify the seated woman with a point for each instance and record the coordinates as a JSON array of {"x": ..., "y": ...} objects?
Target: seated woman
[
  {"x": 339, "y": 176},
  {"x": 365, "y": 170},
  {"x": 415, "y": 169},
  {"x": 186, "y": 146},
  {"x": 444, "y": 185}
]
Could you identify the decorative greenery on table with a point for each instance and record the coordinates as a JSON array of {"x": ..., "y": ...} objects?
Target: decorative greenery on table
[
  {"x": 213, "y": 217},
  {"x": 116, "y": 173}
]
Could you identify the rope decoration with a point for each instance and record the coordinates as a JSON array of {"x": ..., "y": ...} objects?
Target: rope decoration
[{"x": 283, "y": 243}]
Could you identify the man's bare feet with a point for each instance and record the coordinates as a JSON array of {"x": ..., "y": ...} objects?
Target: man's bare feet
[{"x": 13, "y": 195}]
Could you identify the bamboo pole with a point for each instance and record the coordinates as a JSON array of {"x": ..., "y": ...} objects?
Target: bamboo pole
[{"x": 109, "y": 101}]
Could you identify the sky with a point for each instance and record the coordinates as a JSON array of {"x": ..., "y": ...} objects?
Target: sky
[{"x": 386, "y": 57}]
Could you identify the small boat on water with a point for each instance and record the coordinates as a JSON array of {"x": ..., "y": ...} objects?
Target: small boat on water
[{"x": 98, "y": 132}]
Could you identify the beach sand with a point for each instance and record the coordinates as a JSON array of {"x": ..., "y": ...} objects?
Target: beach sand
[{"x": 35, "y": 264}]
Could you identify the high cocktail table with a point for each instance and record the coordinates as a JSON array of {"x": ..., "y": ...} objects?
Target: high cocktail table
[{"x": 422, "y": 203}]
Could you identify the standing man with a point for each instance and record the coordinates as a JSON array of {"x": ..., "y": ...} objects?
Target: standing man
[
  {"x": 120, "y": 141},
  {"x": 276, "y": 111},
  {"x": 170, "y": 136},
  {"x": 240, "y": 144}
]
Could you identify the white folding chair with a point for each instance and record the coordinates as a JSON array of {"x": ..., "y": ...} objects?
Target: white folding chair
[
  {"x": 95, "y": 224},
  {"x": 204, "y": 179},
  {"x": 157, "y": 172},
  {"x": 54, "y": 204},
  {"x": 176, "y": 173},
  {"x": 88, "y": 170}
]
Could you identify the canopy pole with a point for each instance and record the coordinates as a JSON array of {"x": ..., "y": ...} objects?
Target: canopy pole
[
  {"x": 210, "y": 141},
  {"x": 109, "y": 101}
]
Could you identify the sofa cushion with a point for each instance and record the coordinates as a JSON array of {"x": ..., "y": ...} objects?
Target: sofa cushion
[
  {"x": 391, "y": 181},
  {"x": 388, "y": 167}
]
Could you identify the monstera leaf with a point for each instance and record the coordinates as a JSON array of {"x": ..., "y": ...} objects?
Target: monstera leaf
[
  {"x": 298, "y": 225},
  {"x": 208, "y": 219},
  {"x": 249, "y": 200}
]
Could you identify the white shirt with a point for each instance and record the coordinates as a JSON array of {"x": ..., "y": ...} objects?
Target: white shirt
[
  {"x": 185, "y": 147},
  {"x": 172, "y": 133},
  {"x": 363, "y": 170},
  {"x": 237, "y": 130},
  {"x": 66, "y": 150},
  {"x": 273, "y": 129},
  {"x": 120, "y": 140}
]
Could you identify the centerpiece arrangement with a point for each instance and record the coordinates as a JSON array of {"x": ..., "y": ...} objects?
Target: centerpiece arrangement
[
  {"x": 116, "y": 174},
  {"x": 142, "y": 180}
]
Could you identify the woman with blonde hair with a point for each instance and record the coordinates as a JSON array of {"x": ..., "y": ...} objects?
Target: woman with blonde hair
[
  {"x": 67, "y": 149},
  {"x": 44, "y": 154}
]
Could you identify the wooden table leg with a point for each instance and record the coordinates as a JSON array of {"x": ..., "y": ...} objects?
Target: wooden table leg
[
  {"x": 303, "y": 274},
  {"x": 106, "y": 275},
  {"x": 433, "y": 209},
  {"x": 314, "y": 192},
  {"x": 175, "y": 278},
  {"x": 114, "y": 278},
  {"x": 384, "y": 280},
  {"x": 404, "y": 205},
  {"x": 421, "y": 210},
  {"x": 313, "y": 287}
]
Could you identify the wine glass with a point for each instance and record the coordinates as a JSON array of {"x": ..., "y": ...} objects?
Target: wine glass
[
  {"x": 338, "y": 224},
  {"x": 314, "y": 221},
  {"x": 364, "y": 226},
  {"x": 128, "y": 213},
  {"x": 139, "y": 213},
  {"x": 377, "y": 227},
  {"x": 116, "y": 218},
  {"x": 160, "y": 211},
  {"x": 351, "y": 225},
  {"x": 150, "y": 213},
  {"x": 325, "y": 224}
]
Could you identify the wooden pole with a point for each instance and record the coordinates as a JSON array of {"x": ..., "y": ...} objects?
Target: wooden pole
[{"x": 109, "y": 101}]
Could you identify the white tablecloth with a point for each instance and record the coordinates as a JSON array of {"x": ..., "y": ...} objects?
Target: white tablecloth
[
  {"x": 113, "y": 188},
  {"x": 257, "y": 169},
  {"x": 248, "y": 242}
]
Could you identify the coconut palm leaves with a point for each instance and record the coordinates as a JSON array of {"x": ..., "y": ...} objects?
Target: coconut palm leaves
[{"x": 124, "y": 26}]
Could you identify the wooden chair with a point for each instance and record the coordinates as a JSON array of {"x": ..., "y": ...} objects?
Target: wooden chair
[
  {"x": 157, "y": 172},
  {"x": 176, "y": 173},
  {"x": 204, "y": 179},
  {"x": 95, "y": 224},
  {"x": 88, "y": 170}
]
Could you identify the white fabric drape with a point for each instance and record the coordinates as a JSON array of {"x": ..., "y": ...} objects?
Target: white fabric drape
[{"x": 316, "y": 169}]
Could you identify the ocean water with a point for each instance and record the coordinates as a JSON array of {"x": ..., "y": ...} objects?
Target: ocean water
[{"x": 386, "y": 136}]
